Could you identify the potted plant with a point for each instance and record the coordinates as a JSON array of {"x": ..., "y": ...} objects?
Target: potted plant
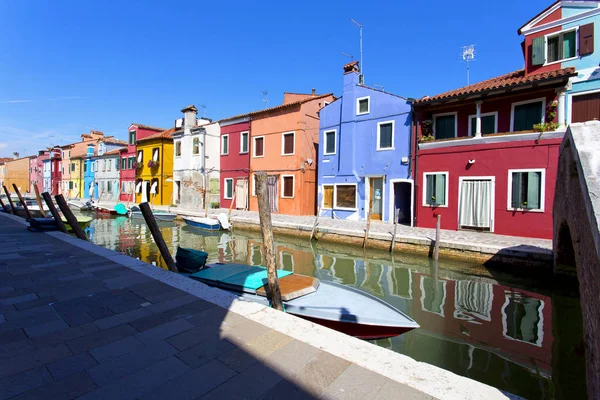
[
  {"x": 152, "y": 164},
  {"x": 137, "y": 165}
]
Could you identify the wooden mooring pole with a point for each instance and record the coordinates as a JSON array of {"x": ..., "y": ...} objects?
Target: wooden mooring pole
[
  {"x": 264, "y": 214},
  {"x": 38, "y": 199},
  {"x": 54, "y": 212},
  {"x": 22, "y": 200},
  {"x": 436, "y": 252},
  {"x": 71, "y": 219},
  {"x": 12, "y": 206},
  {"x": 3, "y": 206},
  {"x": 312, "y": 233},
  {"x": 367, "y": 230},
  {"x": 395, "y": 227},
  {"x": 157, "y": 236}
]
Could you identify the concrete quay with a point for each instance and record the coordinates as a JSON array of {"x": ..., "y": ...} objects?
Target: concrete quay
[{"x": 81, "y": 321}]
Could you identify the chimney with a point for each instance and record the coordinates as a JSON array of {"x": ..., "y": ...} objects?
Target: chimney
[
  {"x": 15, "y": 155},
  {"x": 351, "y": 75},
  {"x": 189, "y": 117},
  {"x": 314, "y": 92}
]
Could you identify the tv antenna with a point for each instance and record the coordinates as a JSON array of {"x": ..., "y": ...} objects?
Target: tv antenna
[
  {"x": 362, "y": 75},
  {"x": 347, "y": 55},
  {"x": 203, "y": 111},
  {"x": 266, "y": 98},
  {"x": 468, "y": 55}
]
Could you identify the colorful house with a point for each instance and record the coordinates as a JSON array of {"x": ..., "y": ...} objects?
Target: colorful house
[
  {"x": 36, "y": 172},
  {"x": 128, "y": 159},
  {"x": 196, "y": 161},
  {"x": 16, "y": 172},
  {"x": 3, "y": 162},
  {"x": 364, "y": 151},
  {"x": 106, "y": 166},
  {"x": 47, "y": 186},
  {"x": 154, "y": 164},
  {"x": 562, "y": 36},
  {"x": 235, "y": 162},
  {"x": 66, "y": 184},
  {"x": 56, "y": 171},
  {"x": 284, "y": 143},
  {"x": 90, "y": 188}
]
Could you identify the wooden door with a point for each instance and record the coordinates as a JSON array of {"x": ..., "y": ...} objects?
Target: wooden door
[
  {"x": 586, "y": 107},
  {"x": 376, "y": 196}
]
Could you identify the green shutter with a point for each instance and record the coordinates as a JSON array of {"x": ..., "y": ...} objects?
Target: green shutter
[
  {"x": 488, "y": 124},
  {"x": 534, "y": 180},
  {"x": 538, "y": 51},
  {"x": 473, "y": 126},
  {"x": 516, "y": 190},
  {"x": 429, "y": 191},
  {"x": 440, "y": 190}
]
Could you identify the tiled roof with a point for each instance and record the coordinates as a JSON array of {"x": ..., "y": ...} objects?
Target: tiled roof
[
  {"x": 515, "y": 78},
  {"x": 148, "y": 127},
  {"x": 4, "y": 160},
  {"x": 114, "y": 152},
  {"x": 266, "y": 110},
  {"x": 112, "y": 140},
  {"x": 166, "y": 134}
]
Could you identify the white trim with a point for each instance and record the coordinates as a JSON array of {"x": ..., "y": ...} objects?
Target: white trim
[
  {"x": 519, "y": 103},
  {"x": 325, "y": 153},
  {"x": 423, "y": 201},
  {"x": 283, "y": 134},
  {"x": 355, "y": 197},
  {"x": 379, "y": 131},
  {"x": 254, "y": 139},
  {"x": 283, "y": 186},
  {"x": 323, "y": 196},
  {"x": 570, "y": 102},
  {"x": 194, "y": 138},
  {"x": 225, "y": 189},
  {"x": 289, "y": 253},
  {"x": 487, "y": 114},
  {"x": 542, "y": 190},
  {"x": 474, "y": 140},
  {"x": 493, "y": 197},
  {"x": 550, "y": 35},
  {"x": 368, "y": 194},
  {"x": 223, "y": 153},
  {"x": 507, "y": 297},
  {"x": 434, "y": 116},
  {"x": 530, "y": 29},
  {"x": 253, "y": 192},
  {"x": 247, "y": 133},
  {"x": 392, "y": 204},
  {"x": 358, "y": 99},
  {"x": 177, "y": 142}
]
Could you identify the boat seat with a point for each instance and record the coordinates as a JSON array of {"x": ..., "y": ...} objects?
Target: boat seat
[{"x": 293, "y": 286}]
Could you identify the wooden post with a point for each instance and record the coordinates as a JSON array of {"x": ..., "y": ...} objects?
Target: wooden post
[
  {"x": 264, "y": 214},
  {"x": 312, "y": 233},
  {"x": 231, "y": 205},
  {"x": 71, "y": 219},
  {"x": 436, "y": 252},
  {"x": 54, "y": 211},
  {"x": 367, "y": 230},
  {"x": 157, "y": 236},
  {"x": 395, "y": 227},
  {"x": 3, "y": 206},
  {"x": 12, "y": 206},
  {"x": 39, "y": 200},
  {"x": 22, "y": 200}
]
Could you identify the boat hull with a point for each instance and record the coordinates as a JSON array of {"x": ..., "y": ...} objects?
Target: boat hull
[
  {"x": 367, "y": 332},
  {"x": 106, "y": 211},
  {"x": 208, "y": 225}
]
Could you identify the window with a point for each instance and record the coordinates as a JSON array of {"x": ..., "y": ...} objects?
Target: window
[
  {"x": 228, "y": 188},
  {"x": 103, "y": 165},
  {"x": 196, "y": 145},
  {"x": 70, "y": 185},
  {"x": 526, "y": 189},
  {"x": 131, "y": 137},
  {"x": 345, "y": 196},
  {"x": 327, "y": 196},
  {"x": 363, "y": 105},
  {"x": 435, "y": 189},
  {"x": 117, "y": 164},
  {"x": 329, "y": 139},
  {"x": 84, "y": 167},
  {"x": 488, "y": 123},
  {"x": 444, "y": 126},
  {"x": 154, "y": 186},
  {"x": 155, "y": 155},
  {"x": 109, "y": 186},
  {"x": 72, "y": 167},
  {"x": 224, "y": 145},
  {"x": 178, "y": 148},
  {"x": 123, "y": 187},
  {"x": 124, "y": 163},
  {"x": 244, "y": 142},
  {"x": 130, "y": 162},
  {"x": 287, "y": 186},
  {"x": 140, "y": 156},
  {"x": 385, "y": 135},
  {"x": 62, "y": 169},
  {"x": 561, "y": 46},
  {"x": 287, "y": 143},
  {"x": 259, "y": 146},
  {"x": 109, "y": 165},
  {"x": 525, "y": 114}
]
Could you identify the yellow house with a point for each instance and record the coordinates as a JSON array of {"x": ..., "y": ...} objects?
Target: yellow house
[{"x": 154, "y": 169}]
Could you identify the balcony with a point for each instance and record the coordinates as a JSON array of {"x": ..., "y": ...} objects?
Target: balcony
[{"x": 502, "y": 137}]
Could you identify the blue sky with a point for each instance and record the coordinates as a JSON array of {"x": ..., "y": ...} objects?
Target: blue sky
[{"x": 70, "y": 66}]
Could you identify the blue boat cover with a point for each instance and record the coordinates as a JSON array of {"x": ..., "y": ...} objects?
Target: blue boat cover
[
  {"x": 240, "y": 275},
  {"x": 120, "y": 209}
]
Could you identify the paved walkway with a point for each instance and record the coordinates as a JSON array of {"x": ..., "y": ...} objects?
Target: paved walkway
[{"x": 74, "y": 324}]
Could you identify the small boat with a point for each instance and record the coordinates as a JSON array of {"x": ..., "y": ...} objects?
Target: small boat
[
  {"x": 343, "y": 308},
  {"x": 135, "y": 212},
  {"x": 190, "y": 260},
  {"x": 79, "y": 205},
  {"x": 104, "y": 210},
  {"x": 82, "y": 220},
  {"x": 208, "y": 224},
  {"x": 121, "y": 209}
]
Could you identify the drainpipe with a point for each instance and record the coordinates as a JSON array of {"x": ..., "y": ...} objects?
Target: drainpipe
[{"x": 416, "y": 168}]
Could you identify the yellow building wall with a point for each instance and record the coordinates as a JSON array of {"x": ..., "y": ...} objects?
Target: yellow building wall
[
  {"x": 163, "y": 172},
  {"x": 17, "y": 172},
  {"x": 77, "y": 178}
]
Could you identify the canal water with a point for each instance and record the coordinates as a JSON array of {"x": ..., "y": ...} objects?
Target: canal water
[{"x": 520, "y": 335}]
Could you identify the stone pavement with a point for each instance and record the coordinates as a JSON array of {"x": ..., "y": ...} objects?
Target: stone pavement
[{"x": 75, "y": 324}]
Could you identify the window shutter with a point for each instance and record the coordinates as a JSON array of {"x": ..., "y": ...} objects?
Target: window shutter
[
  {"x": 429, "y": 191},
  {"x": 440, "y": 189},
  {"x": 516, "y": 190},
  {"x": 538, "y": 56},
  {"x": 533, "y": 189},
  {"x": 586, "y": 39}
]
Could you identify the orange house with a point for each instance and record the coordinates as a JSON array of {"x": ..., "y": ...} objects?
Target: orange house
[{"x": 284, "y": 143}]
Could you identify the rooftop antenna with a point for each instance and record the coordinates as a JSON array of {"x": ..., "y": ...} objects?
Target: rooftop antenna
[
  {"x": 203, "y": 111},
  {"x": 468, "y": 55},
  {"x": 266, "y": 98},
  {"x": 347, "y": 55},
  {"x": 361, "y": 77},
  {"x": 378, "y": 86}
]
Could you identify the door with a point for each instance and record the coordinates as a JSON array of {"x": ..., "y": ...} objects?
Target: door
[
  {"x": 475, "y": 206},
  {"x": 241, "y": 194},
  {"x": 272, "y": 188},
  {"x": 376, "y": 196},
  {"x": 586, "y": 107}
]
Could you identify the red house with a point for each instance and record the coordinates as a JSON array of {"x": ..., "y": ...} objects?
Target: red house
[
  {"x": 56, "y": 170},
  {"x": 127, "y": 170},
  {"x": 235, "y": 164}
]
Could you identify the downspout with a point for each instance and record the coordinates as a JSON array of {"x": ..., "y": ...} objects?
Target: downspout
[{"x": 416, "y": 167}]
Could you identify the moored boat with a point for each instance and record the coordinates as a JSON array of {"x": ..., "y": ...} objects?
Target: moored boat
[
  {"x": 82, "y": 220},
  {"x": 79, "y": 205},
  {"x": 135, "y": 212},
  {"x": 343, "y": 308},
  {"x": 190, "y": 260},
  {"x": 104, "y": 210},
  {"x": 205, "y": 223}
]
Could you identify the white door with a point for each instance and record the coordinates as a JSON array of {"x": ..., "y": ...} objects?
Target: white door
[
  {"x": 144, "y": 191},
  {"x": 475, "y": 205}
]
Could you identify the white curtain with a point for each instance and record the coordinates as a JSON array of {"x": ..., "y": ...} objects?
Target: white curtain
[
  {"x": 91, "y": 191},
  {"x": 153, "y": 188},
  {"x": 138, "y": 187},
  {"x": 155, "y": 155},
  {"x": 140, "y": 157},
  {"x": 144, "y": 191},
  {"x": 476, "y": 204}
]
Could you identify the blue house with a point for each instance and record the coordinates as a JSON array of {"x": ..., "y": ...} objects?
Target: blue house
[
  {"x": 364, "y": 154},
  {"x": 89, "y": 172}
]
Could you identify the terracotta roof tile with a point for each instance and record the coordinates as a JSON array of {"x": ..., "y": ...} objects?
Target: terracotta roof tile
[
  {"x": 112, "y": 140},
  {"x": 166, "y": 134},
  {"x": 266, "y": 110},
  {"x": 148, "y": 127},
  {"x": 504, "y": 81},
  {"x": 114, "y": 152}
]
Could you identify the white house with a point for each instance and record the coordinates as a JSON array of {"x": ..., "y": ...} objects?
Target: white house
[
  {"x": 196, "y": 164},
  {"x": 106, "y": 166}
]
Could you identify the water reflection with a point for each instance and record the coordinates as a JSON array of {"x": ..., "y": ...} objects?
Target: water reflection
[{"x": 494, "y": 331}]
